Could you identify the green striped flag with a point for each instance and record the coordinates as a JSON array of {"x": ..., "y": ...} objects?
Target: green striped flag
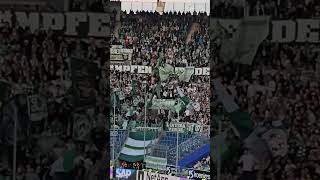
[
  {"x": 133, "y": 149},
  {"x": 242, "y": 47}
]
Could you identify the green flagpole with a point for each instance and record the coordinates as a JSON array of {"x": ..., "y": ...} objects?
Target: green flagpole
[
  {"x": 145, "y": 122},
  {"x": 177, "y": 154},
  {"x": 114, "y": 128}
]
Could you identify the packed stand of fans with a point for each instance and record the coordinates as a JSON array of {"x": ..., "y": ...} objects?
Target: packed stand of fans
[
  {"x": 197, "y": 91},
  {"x": 149, "y": 33},
  {"x": 39, "y": 62}
]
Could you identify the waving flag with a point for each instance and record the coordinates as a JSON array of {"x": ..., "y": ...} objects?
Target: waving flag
[
  {"x": 240, "y": 120},
  {"x": 164, "y": 72},
  {"x": 242, "y": 47},
  {"x": 186, "y": 74}
]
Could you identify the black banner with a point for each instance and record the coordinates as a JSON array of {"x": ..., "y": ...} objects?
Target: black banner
[{"x": 84, "y": 83}]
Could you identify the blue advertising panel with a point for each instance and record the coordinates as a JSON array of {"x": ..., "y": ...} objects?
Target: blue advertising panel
[{"x": 125, "y": 173}]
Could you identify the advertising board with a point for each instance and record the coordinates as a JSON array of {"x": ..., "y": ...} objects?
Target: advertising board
[
  {"x": 144, "y": 175},
  {"x": 125, "y": 173}
]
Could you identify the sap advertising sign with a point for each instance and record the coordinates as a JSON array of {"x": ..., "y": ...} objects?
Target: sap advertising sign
[
  {"x": 124, "y": 173},
  {"x": 143, "y": 175},
  {"x": 70, "y": 23}
]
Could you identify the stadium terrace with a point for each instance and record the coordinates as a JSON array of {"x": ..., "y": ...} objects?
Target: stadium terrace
[
  {"x": 284, "y": 31},
  {"x": 71, "y": 23}
]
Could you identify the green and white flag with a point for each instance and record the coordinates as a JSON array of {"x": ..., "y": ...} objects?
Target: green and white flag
[
  {"x": 240, "y": 120},
  {"x": 131, "y": 112},
  {"x": 242, "y": 47},
  {"x": 133, "y": 150},
  {"x": 184, "y": 100},
  {"x": 165, "y": 71},
  {"x": 224, "y": 96},
  {"x": 186, "y": 74}
]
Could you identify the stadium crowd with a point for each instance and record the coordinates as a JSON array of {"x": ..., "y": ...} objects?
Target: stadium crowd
[
  {"x": 150, "y": 33},
  {"x": 39, "y": 63},
  {"x": 181, "y": 39},
  {"x": 149, "y": 38},
  {"x": 279, "y": 89}
]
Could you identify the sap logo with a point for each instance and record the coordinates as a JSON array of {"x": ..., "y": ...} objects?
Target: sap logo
[{"x": 124, "y": 173}]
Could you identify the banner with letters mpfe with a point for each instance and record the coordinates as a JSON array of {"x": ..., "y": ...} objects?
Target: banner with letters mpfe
[{"x": 143, "y": 175}]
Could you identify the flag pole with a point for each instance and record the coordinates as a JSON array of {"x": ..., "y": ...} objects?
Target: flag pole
[
  {"x": 114, "y": 129},
  {"x": 145, "y": 121},
  {"x": 15, "y": 141},
  {"x": 177, "y": 154},
  {"x": 219, "y": 149}
]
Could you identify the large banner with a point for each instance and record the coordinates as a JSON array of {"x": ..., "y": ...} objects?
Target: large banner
[
  {"x": 156, "y": 162},
  {"x": 203, "y": 71},
  {"x": 143, "y": 175},
  {"x": 81, "y": 24},
  {"x": 185, "y": 127},
  {"x": 166, "y": 104},
  {"x": 282, "y": 31},
  {"x": 84, "y": 83},
  {"x": 118, "y": 54}
]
